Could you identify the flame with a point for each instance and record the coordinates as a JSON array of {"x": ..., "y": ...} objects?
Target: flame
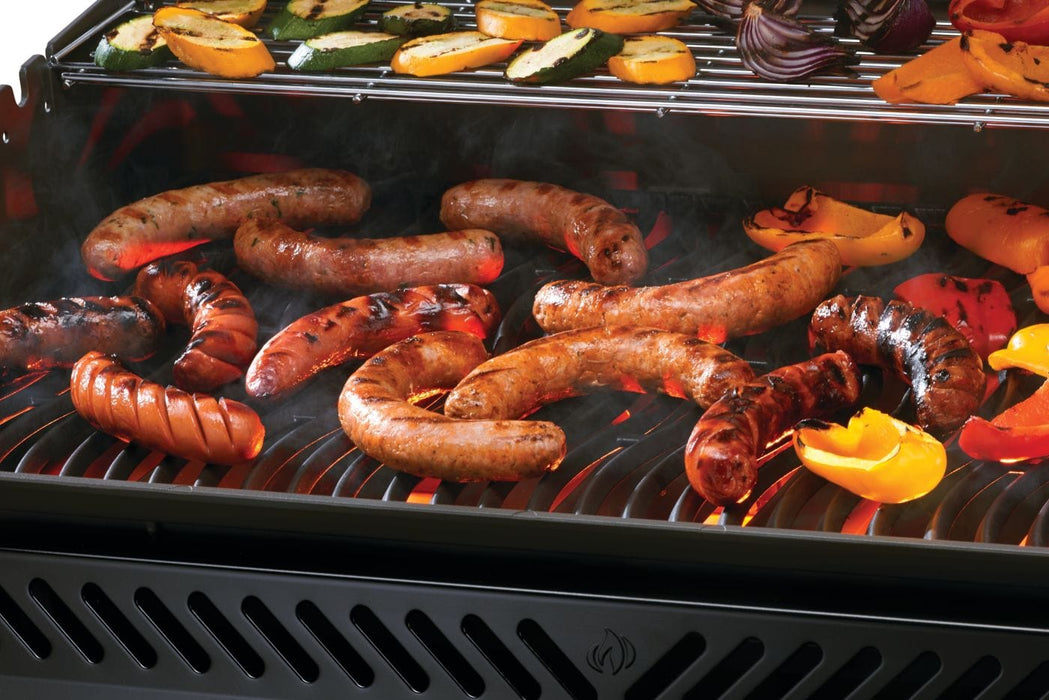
[
  {"x": 860, "y": 517},
  {"x": 11, "y": 417},
  {"x": 660, "y": 230},
  {"x": 628, "y": 383},
  {"x": 575, "y": 480},
  {"x": 714, "y": 517},
  {"x": 673, "y": 387},
  {"x": 621, "y": 179},
  {"x": 424, "y": 490},
  {"x": 712, "y": 334},
  {"x": 767, "y": 495},
  {"x": 467, "y": 324}
]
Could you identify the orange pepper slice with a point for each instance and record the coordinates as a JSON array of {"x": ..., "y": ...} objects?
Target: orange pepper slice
[
  {"x": 440, "y": 54},
  {"x": 207, "y": 43},
  {"x": 653, "y": 59},
  {"x": 530, "y": 20},
  {"x": 634, "y": 17},
  {"x": 1014, "y": 68},
  {"x": 1027, "y": 349},
  {"x": 939, "y": 76},
  {"x": 246, "y": 13}
]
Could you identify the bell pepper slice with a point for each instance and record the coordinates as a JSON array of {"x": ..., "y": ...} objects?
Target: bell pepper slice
[
  {"x": 1028, "y": 349},
  {"x": 980, "y": 309},
  {"x": 204, "y": 42},
  {"x": 1018, "y": 433},
  {"x": 1015, "y": 20},
  {"x": 876, "y": 456},
  {"x": 863, "y": 238},
  {"x": 1013, "y": 67},
  {"x": 635, "y": 17},
  {"x": 1001, "y": 229},
  {"x": 938, "y": 77}
]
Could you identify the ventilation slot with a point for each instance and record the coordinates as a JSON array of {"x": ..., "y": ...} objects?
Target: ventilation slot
[
  {"x": 729, "y": 670},
  {"x": 118, "y": 625},
  {"x": 566, "y": 673},
  {"x": 172, "y": 630},
  {"x": 227, "y": 636},
  {"x": 848, "y": 678},
  {"x": 445, "y": 653},
  {"x": 335, "y": 644},
  {"x": 911, "y": 679},
  {"x": 280, "y": 639},
  {"x": 789, "y": 673},
  {"x": 974, "y": 681},
  {"x": 668, "y": 668},
  {"x": 403, "y": 664},
  {"x": 516, "y": 675},
  {"x": 23, "y": 628},
  {"x": 1036, "y": 685},
  {"x": 70, "y": 625}
]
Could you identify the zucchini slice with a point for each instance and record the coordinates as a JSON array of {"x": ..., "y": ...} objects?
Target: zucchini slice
[
  {"x": 204, "y": 42},
  {"x": 132, "y": 44},
  {"x": 339, "y": 49},
  {"x": 304, "y": 19},
  {"x": 418, "y": 19},
  {"x": 653, "y": 59},
  {"x": 531, "y": 20},
  {"x": 447, "y": 53},
  {"x": 565, "y": 57},
  {"x": 246, "y": 13},
  {"x": 629, "y": 16}
]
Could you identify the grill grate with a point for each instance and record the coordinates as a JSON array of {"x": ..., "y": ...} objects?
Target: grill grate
[{"x": 722, "y": 86}]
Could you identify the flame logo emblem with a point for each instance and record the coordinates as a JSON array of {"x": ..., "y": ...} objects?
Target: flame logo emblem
[{"x": 613, "y": 654}]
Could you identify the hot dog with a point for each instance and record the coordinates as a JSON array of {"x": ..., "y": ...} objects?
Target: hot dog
[
  {"x": 721, "y": 457},
  {"x": 945, "y": 373},
  {"x": 586, "y": 226},
  {"x": 571, "y": 363},
  {"x": 192, "y": 426},
  {"x": 345, "y": 267},
  {"x": 375, "y": 413},
  {"x": 739, "y": 302},
  {"x": 223, "y": 325},
  {"x": 48, "y": 334},
  {"x": 177, "y": 220},
  {"x": 363, "y": 326}
]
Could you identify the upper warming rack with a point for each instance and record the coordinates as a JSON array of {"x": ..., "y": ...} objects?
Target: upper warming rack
[{"x": 721, "y": 87}]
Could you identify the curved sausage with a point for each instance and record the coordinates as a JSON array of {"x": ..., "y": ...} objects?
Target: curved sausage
[
  {"x": 177, "y": 220},
  {"x": 945, "y": 373},
  {"x": 586, "y": 226},
  {"x": 345, "y": 267},
  {"x": 192, "y": 426},
  {"x": 739, "y": 302},
  {"x": 362, "y": 327},
  {"x": 571, "y": 363},
  {"x": 721, "y": 457},
  {"x": 375, "y": 413},
  {"x": 48, "y": 334},
  {"x": 222, "y": 323}
]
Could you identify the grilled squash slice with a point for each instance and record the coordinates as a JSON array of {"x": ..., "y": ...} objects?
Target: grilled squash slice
[
  {"x": 629, "y": 16},
  {"x": 652, "y": 59},
  {"x": 304, "y": 19},
  {"x": 340, "y": 49},
  {"x": 206, "y": 43},
  {"x": 246, "y": 13},
  {"x": 565, "y": 57},
  {"x": 447, "y": 53},
  {"x": 131, "y": 45},
  {"x": 419, "y": 19},
  {"x": 531, "y": 20}
]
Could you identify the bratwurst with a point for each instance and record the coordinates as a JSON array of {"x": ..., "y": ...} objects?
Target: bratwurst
[
  {"x": 375, "y": 412},
  {"x": 176, "y": 220},
  {"x": 587, "y": 227},
  {"x": 739, "y": 302},
  {"x": 572, "y": 363}
]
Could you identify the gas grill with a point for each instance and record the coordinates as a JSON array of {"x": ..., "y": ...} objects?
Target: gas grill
[{"x": 316, "y": 572}]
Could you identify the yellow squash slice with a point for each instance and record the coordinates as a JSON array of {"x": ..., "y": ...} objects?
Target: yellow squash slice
[
  {"x": 446, "y": 53},
  {"x": 246, "y": 13},
  {"x": 206, "y": 43},
  {"x": 629, "y": 16},
  {"x": 530, "y": 20},
  {"x": 653, "y": 59}
]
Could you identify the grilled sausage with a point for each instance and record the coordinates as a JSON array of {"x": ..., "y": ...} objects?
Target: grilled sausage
[
  {"x": 586, "y": 226},
  {"x": 721, "y": 458},
  {"x": 48, "y": 334},
  {"x": 945, "y": 373},
  {"x": 345, "y": 267},
  {"x": 739, "y": 302},
  {"x": 223, "y": 325},
  {"x": 362, "y": 327},
  {"x": 375, "y": 413},
  {"x": 177, "y": 220},
  {"x": 192, "y": 426},
  {"x": 576, "y": 362}
]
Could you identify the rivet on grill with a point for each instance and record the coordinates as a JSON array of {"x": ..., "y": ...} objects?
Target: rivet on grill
[{"x": 5, "y": 137}]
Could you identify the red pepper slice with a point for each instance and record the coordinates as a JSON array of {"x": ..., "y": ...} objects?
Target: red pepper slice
[
  {"x": 979, "y": 308},
  {"x": 1018, "y": 433},
  {"x": 1015, "y": 20}
]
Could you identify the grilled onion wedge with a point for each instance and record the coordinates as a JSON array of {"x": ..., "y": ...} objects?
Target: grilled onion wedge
[
  {"x": 652, "y": 59},
  {"x": 419, "y": 19},
  {"x": 206, "y": 43},
  {"x": 340, "y": 49},
  {"x": 246, "y": 13},
  {"x": 304, "y": 19},
  {"x": 447, "y": 53},
  {"x": 531, "y": 20},
  {"x": 565, "y": 57},
  {"x": 131, "y": 45},
  {"x": 636, "y": 17}
]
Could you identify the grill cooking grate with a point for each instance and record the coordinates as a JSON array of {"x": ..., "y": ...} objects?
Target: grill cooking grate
[{"x": 722, "y": 86}]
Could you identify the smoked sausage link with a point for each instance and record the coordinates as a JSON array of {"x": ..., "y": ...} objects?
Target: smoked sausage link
[
  {"x": 721, "y": 457},
  {"x": 375, "y": 412},
  {"x": 191, "y": 426},
  {"x": 945, "y": 373},
  {"x": 586, "y": 226},
  {"x": 176, "y": 220}
]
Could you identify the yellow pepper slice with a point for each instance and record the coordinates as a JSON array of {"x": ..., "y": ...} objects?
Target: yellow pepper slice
[
  {"x": 876, "y": 456},
  {"x": 204, "y": 42},
  {"x": 1028, "y": 349},
  {"x": 863, "y": 237}
]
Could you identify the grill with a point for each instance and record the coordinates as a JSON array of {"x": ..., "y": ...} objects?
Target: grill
[{"x": 314, "y": 571}]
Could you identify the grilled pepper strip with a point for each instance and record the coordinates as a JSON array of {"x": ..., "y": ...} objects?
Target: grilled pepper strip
[
  {"x": 1028, "y": 349},
  {"x": 876, "y": 456},
  {"x": 1015, "y": 20},
  {"x": 1018, "y": 433}
]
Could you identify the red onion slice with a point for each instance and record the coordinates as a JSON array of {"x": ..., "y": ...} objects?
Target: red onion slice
[
  {"x": 886, "y": 26},
  {"x": 732, "y": 10},
  {"x": 782, "y": 49}
]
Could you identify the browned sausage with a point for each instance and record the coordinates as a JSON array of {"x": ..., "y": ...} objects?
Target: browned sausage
[
  {"x": 362, "y": 327},
  {"x": 571, "y": 363},
  {"x": 192, "y": 426},
  {"x": 945, "y": 373},
  {"x": 375, "y": 413},
  {"x": 586, "y": 226},
  {"x": 176, "y": 220},
  {"x": 48, "y": 334},
  {"x": 345, "y": 267},
  {"x": 222, "y": 323},
  {"x": 739, "y": 302},
  {"x": 721, "y": 458}
]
